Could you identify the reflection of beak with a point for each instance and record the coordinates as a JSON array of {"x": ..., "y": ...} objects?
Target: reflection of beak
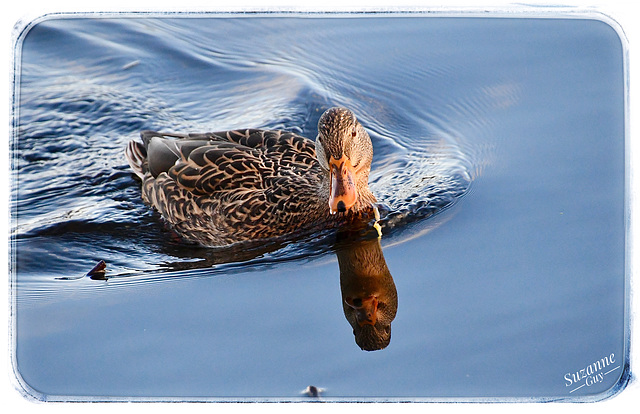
[
  {"x": 366, "y": 309},
  {"x": 343, "y": 185}
]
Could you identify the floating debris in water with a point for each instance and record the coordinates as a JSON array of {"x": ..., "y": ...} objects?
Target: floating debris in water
[
  {"x": 99, "y": 271},
  {"x": 376, "y": 225},
  {"x": 313, "y": 391}
]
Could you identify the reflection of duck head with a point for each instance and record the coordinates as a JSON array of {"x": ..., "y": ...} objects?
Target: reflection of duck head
[{"x": 369, "y": 296}]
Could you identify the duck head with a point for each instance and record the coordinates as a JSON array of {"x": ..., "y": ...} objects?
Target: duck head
[{"x": 345, "y": 152}]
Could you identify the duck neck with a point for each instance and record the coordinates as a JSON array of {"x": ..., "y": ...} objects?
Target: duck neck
[
  {"x": 365, "y": 200},
  {"x": 365, "y": 196}
]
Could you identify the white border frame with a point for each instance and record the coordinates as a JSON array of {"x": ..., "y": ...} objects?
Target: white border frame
[{"x": 498, "y": 10}]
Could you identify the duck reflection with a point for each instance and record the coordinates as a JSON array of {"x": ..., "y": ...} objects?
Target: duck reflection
[{"x": 369, "y": 296}]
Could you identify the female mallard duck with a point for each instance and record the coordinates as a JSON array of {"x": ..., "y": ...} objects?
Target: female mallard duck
[{"x": 222, "y": 188}]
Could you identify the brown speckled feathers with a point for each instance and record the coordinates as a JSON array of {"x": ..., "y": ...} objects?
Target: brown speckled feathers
[{"x": 222, "y": 188}]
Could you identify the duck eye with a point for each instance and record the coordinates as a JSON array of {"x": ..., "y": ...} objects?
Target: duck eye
[{"x": 354, "y": 133}]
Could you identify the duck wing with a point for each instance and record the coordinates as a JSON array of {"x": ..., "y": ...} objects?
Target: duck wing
[{"x": 222, "y": 161}]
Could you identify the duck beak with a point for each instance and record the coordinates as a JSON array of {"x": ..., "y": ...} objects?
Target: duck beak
[
  {"x": 366, "y": 309},
  {"x": 343, "y": 185}
]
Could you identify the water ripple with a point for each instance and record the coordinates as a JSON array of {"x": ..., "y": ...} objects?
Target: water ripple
[{"x": 74, "y": 196}]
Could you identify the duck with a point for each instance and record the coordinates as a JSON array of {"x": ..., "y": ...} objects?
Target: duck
[{"x": 226, "y": 188}]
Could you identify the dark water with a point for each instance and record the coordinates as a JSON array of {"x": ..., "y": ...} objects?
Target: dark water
[{"x": 499, "y": 157}]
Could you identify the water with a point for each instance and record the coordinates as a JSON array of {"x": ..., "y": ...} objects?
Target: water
[{"x": 499, "y": 155}]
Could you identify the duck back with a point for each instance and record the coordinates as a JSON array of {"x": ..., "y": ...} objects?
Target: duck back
[{"x": 227, "y": 187}]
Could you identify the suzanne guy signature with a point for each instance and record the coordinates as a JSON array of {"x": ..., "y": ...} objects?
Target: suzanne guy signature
[{"x": 592, "y": 374}]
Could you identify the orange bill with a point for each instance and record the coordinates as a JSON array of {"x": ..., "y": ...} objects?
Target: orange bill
[{"x": 343, "y": 185}]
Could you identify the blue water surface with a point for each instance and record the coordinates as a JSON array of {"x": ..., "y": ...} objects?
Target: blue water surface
[{"x": 499, "y": 155}]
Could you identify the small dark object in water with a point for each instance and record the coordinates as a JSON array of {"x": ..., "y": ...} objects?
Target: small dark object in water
[
  {"x": 98, "y": 272},
  {"x": 313, "y": 391}
]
